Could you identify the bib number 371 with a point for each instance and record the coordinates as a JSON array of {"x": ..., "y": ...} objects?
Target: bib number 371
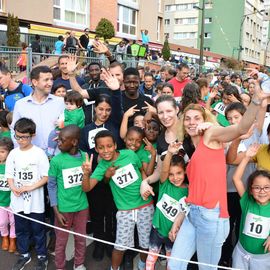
[{"x": 125, "y": 176}]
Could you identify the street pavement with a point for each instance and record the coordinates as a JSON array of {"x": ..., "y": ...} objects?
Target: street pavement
[{"x": 7, "y": 259}]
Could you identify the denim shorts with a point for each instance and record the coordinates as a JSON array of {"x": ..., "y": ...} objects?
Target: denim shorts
[{"x": 157, "y": 240}]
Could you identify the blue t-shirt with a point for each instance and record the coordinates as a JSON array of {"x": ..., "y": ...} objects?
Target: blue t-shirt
[
  {"x": 58, "y": 46},
  {"x": 11, "y": 97},
  {"x": 145, "y": 38},
  {"x": 66, "y": 83}
]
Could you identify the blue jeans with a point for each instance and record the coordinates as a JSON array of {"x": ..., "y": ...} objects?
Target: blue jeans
[
  {"x": 25, "y": 229},
  {"x": 202, "y": 231}
]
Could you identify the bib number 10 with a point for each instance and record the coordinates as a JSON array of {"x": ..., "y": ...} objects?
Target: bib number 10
[{"x": 256, "y": 228}]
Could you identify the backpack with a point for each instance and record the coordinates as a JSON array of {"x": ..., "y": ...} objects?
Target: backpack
[{"x": 18, "y": 90}]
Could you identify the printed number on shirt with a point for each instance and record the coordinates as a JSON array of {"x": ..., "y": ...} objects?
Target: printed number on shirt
[
  {"x": 220, "y": 108},
  {"x": 4, "y": 183},
  {"x": 72, "y": 177},
  {"x": 125, "y": 176},
  {"x": 27, "y": 175},
  {"x": 257, "y": 226},
  {"x": 169, "y": 207},
  {"x": 91, "y": 136}
]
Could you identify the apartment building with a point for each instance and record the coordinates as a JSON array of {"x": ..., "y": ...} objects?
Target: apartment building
[
  {"x": 55, "y": 17},
  {"x": 181, "y": 22}
]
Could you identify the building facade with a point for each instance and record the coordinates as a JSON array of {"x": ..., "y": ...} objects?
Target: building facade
[
  {"x": 55, "y": 17},
  {"x": 181, "y": 22}
]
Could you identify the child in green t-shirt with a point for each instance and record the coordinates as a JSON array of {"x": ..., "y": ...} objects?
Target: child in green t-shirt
[
  {"x": 7, "y": 222},
  {"x": 5, "y": 131},
  {"x": 69, "y": 202},
  {"x": 253, "y": 248},
  {"x": 72, "y": 115},
  {"x": 123, "y": 170},
  {"x": 136, "y": 141},
  {"x": 171, "y": 201}
]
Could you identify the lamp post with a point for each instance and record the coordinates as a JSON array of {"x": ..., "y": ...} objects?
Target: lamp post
[
  {"x": 201, "y": 35},
  {"x": 240, "y": 48}
]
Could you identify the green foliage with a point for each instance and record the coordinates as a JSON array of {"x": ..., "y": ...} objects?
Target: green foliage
[
  {"x": 105, "y": 29},
  {"x": 13, "y": 31},
  {"x": 166, "y": 50}
]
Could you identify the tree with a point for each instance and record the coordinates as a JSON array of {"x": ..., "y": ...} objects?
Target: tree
[
  {"x": 166, "y": 50},
  {"x": 105, "y": 29},
  {"x": 13, "y": 31}
]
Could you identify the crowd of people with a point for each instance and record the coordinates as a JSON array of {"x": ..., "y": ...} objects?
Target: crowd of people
[{"x": 183, "y": 159}]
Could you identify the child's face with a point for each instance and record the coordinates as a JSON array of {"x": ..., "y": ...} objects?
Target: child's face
[
  {"x": 60, "y": 92},
  {"x": 226, "y": 99},
  {"x": 261, "y": 196},
  {"x": 176, "y": 175},
  {"x": 70, "y": 106},
  {"x": 23, "y": 139},
  {"x": 167, "y": 91},
  {"x": 152, "y": 131},
  {"x": 106, "y": 148},
  {"x": 133, "y": 140},
  {"x": 234, "y": 117},
  {"x": 3, "y": 154},
  {"x": 65, "y": 143},
  {"x": 139, "y": 121},
  {"x": 245, "y": 99}
]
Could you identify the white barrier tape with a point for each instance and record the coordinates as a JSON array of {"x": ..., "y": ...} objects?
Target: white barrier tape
[{"x": 113, "y": 244}]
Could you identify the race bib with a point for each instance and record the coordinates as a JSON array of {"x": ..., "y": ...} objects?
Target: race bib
[
  {"x": 91, "y": 136},
  {"x": 220, "y": 108},
  {"x": 125, "y": 176},
  {"x": 27, "y": 175},
  {"x": 257, "y": 226},
  {"x": 183, "y": 206},
  {"x": 169, "y": 207},
  {"x": 4, "y": 183},
  {"x": 72, "y": 177}
]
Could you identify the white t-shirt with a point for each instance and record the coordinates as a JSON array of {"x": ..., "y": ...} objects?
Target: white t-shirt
[
  {"x": 264, "y": 137},
  {"x": 27, "y": 168}
]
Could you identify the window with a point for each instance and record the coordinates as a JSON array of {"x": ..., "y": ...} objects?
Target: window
[
  {"x": 70, "y": 12},
  {"x": 170, "y": 7},
  {"x": 206, "y": 49},
  {"x": 208, "y": 20},
  {"x": 209, "y": 5},
  {"x": 159, "y": 21},
  {"x": 184, "y": 35},
  {"x": 186, "y": 7},
  {"x": 1, "y": 5},
  {"x": 186, "y": 21},
  {"x": 127, "y": 20},
  {"x": 167, "y": 21},
  {"x": 207, "y": 35}
]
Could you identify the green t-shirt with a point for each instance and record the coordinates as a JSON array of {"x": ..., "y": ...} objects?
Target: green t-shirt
[
  {"x": 255, "y": 224},
  {"x": 126, "y": 182},
  {"x": 170, "y": 203},
  {"x": 135, "y": 49},
  {"x": 4, "y": 188},
  {"x": 219, "y": 108},
  {"x": 5, "y": 134},
  {"x": 75, "y": 117},
  {"x": 143, "y": 154},
  {"x": 67, "y": 171}
]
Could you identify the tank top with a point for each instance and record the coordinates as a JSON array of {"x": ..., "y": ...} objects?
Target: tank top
[{"x": 206, "y": 172}]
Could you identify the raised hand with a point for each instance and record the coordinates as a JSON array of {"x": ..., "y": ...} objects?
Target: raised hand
[
  {"x": 110, "y": 80},
  {"x": 131, "y": 111},
  {"x": 100, "y": 47},
  {"x": 252, "y": 150},
  {"x": 149, "y": 108},
  {"x": 149, "y": 146},
  {"x": 202, "y": 127},
  {"x": 87, "y": 165},
  {"x": 71, "y": 63},
  {"x": 174, "y": 147}
]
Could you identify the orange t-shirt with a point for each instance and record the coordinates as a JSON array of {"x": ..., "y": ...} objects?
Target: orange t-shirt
[
  {"x": 206, "y": 173},
  {"x": 178, "y": 86}
]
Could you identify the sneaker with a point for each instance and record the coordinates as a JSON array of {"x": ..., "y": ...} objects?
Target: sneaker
[
  {"x": 80, "y": 267},
  {"x": 42, "y": 263},
  {"x": 20, "y": 264}
]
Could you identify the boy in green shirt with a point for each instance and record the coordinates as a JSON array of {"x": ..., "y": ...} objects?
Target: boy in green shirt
[
  {"x": 69, "y": 202},
  {"x": 123, "y": 170}
]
